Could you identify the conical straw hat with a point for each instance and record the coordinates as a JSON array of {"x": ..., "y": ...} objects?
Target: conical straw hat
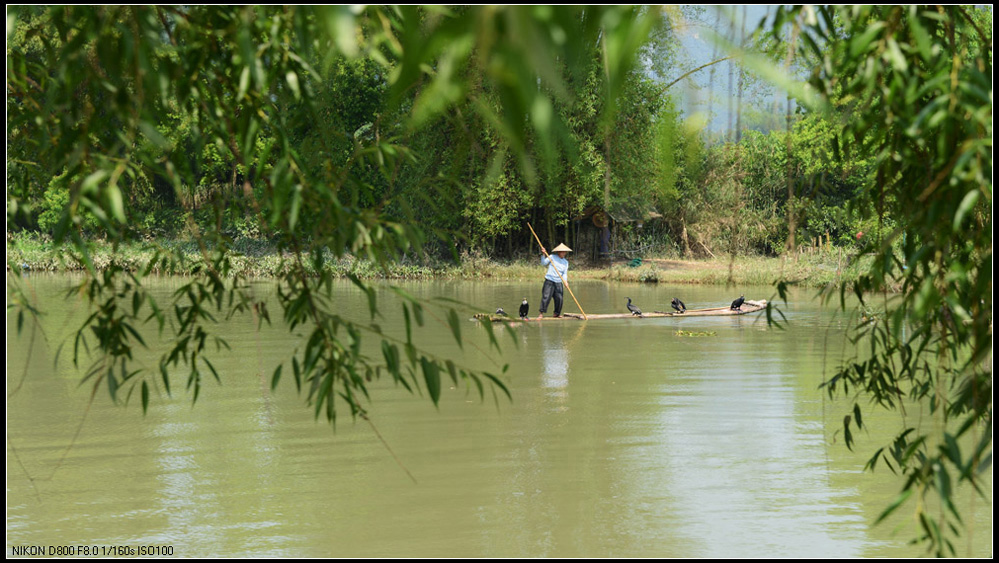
[{"x": 561, "y": 248}]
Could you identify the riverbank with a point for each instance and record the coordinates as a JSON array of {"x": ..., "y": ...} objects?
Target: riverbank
[{"x": 255, "y": 258}]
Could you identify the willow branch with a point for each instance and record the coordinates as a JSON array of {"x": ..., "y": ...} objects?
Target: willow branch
[{"x": 695, "y": 70}]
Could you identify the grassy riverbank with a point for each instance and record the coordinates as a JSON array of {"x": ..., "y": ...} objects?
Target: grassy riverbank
[{"x": 254, "y": 258}]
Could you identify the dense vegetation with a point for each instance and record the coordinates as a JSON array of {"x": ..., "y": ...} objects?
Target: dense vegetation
[
  {"x": 393, "y": 134},
  {"x": 444, "y": 152},
  {"x": 910, "y": 88}
]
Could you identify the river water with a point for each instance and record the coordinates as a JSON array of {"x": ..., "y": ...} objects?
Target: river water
[{"x": 623, "y": 439}]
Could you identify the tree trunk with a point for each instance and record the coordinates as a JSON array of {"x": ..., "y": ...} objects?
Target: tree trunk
[
  {"x": 687, "y": 253},
  {"x": 742, "y": 80},
  {"x": 791, "y": 203},
  {"x": 792, "y": 222},
  {"x": 711, "y": 80},
  {"x": 731, "y": 80},
  {"x": 607, "y": 170}
]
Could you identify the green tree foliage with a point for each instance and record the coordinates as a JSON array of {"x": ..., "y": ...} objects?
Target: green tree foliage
[
  {"x": 824, "y": 185},
  {"x": 465, "y": 167},
  {"x": 596, "y": 164},
  {"x": 679, "y": 166},
  {"x": 910, "y": 88},
  {"x": 295, "y": 123}
]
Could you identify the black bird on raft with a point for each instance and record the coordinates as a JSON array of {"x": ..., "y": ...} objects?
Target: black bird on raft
[
  {"x": 634, "y": 310},
  {"x": 501, "y": 312},
  {"x": 524, "y": 309},
  {"x": 678, "y": 305},
  {"x": 737, "y": 304}
]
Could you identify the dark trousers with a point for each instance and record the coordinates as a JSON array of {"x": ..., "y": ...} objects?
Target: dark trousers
[{"x": 551, "y": 289}]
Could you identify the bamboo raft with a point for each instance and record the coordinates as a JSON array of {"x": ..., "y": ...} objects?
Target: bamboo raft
[{"x": 747, "y": 307}]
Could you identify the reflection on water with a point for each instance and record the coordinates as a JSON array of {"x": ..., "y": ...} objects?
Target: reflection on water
[
  {"x": 624, "y": 439},
  {"x": 555, "y": 376},
  {"x": 743, "y": 448}
]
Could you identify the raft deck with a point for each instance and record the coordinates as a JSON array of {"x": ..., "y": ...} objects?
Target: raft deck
[{"x": 747, "y": 307}]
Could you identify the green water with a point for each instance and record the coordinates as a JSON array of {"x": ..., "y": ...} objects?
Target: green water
[{"x": 623, "y": 439}]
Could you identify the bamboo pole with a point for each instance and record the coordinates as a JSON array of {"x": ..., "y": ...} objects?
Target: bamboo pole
[{"x": 556, "y": 270}]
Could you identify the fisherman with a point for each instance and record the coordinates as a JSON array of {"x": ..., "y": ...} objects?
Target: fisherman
[{"x": 558, "y": 271}]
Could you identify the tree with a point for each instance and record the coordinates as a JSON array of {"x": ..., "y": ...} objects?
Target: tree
[
  {"x": 910, "y": 87},
  {"x": 92, "y": 102}
]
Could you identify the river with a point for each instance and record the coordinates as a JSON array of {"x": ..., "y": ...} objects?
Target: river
[{"x": 623, "y": 439}]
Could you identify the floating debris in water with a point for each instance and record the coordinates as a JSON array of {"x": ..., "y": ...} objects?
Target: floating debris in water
[{"x": 695, "y": 333}]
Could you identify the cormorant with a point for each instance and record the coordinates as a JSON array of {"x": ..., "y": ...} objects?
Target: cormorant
[
  {"x": 524, "y": 309},
  {"x": 634, "y": 310},
  {"x": 501, "y": 312},
  {"x": 737, "y": 304},
  {"x": 678, "y": 305}
]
